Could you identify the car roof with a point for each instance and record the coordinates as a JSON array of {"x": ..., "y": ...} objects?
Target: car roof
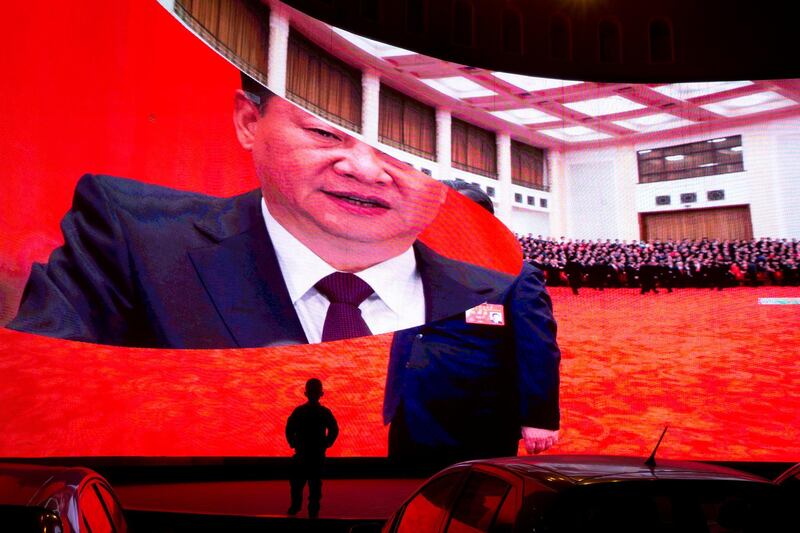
[
  {"x": 559, "y": 470},
  {"x": 20, "y": 483},
  {"x": 788, "y": 475}
]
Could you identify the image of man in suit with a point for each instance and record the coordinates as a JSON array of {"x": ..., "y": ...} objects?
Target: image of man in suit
[{"x": 325, "y": 249}]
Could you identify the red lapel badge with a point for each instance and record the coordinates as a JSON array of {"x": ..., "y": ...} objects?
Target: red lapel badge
[{"x": 487, "y": 314}]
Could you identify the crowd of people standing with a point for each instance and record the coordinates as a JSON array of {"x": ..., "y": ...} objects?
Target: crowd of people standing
[{"x": 667, "y": 264}]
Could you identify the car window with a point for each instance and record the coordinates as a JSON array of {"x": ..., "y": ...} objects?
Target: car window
[
  {"x": 94, "y": 515},
  {"x": 477, "y": 505},
  {"x": 112, "y": 507},
  {"x": 427, "y": 509},
  {"x": 507, "y": 515}
]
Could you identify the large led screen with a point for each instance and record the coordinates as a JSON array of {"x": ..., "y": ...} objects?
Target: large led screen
[{"x": 197, "y": 193}]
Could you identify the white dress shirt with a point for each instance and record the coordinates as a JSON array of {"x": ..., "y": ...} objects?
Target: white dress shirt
[{"x": 397, "y": 303}]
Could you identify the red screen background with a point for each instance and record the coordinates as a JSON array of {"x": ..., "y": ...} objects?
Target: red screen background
[{"x": 122, "y": 88}]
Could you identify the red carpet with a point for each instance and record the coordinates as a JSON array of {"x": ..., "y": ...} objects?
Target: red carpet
[{"x": 720, "y": 369}]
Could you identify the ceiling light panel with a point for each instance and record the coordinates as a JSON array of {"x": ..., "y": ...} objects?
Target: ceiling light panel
[
  {"x": 458, "y": 87},
  {"x": 687, "y": 91},
  {"x": 656, "y": 122},
  {"x": 747, "y": 105},
  {"x": 575, "y": 134},
  {"x": 525, "y": 116},
  {"x": 604, "y": 106},
  {"x": 531, "y": 84}
]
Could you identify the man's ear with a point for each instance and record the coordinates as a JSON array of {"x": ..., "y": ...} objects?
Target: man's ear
[{"x": 245, "y": 119}]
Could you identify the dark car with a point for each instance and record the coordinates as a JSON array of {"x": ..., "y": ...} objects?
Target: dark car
[
  {"x": 53, "y": 499},
  {"x": 591, "y": 493},
  {"x": 790, "y": 481},
  {"x": 790, "y": 478}
]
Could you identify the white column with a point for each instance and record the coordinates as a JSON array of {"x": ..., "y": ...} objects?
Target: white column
[
  {"x": 558, "y": 203},
  {"x": 626, "y": 177},
  {"x": 278, "y": 49},
  {"x": 444, "y": 154},
  {"x": 505, "y": 196},
  {"x": 370, "y": 105}
]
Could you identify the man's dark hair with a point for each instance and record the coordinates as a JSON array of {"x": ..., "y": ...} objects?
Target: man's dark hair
[
  {"x": 255, "y": 91},
  {"x": 473, "y": 192}
]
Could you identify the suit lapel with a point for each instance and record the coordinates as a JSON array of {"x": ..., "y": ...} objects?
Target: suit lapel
[
  {"x": 242, "y": 276},
  {"x": 452, "y": 287}
]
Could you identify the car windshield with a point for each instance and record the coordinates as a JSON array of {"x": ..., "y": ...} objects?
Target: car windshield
[{"x": 667, "y": 506}]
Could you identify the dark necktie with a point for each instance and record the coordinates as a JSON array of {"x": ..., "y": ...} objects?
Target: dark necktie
[{"x": 345, "y": 292}]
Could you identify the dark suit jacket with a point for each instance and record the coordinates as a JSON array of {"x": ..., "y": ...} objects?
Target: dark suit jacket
[
  {"x": 144, "y": 265},
  {"x": 462, "y": 390}
]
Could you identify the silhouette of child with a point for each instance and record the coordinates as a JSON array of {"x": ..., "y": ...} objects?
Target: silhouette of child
[{"x": 310, "y": 430}]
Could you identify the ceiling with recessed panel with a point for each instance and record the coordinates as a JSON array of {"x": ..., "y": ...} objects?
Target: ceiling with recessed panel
[{"x": 571, "y": 114}]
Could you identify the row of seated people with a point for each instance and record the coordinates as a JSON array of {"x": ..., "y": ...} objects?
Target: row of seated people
[{"x": 703, "y": 263}]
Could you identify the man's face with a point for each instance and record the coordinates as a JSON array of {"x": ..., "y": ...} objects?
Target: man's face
[{"x": 318, "y": 181}]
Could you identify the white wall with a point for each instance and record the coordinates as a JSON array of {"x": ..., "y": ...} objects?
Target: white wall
[
  {"x": 769, "y": 183},
  {"x": 602, "y": 197},
  {"x": 788, "y": 193},
  {"x": 533, "y": 219},
  {"x": 523, "y": 218},
  {"x": 590, "y": 197},
  {"x": 524, "y": 221}
]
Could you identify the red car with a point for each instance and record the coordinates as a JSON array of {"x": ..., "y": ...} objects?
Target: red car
[
  {"x": 591, "y": 493},
  {"x": 53, "y": 499}
]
